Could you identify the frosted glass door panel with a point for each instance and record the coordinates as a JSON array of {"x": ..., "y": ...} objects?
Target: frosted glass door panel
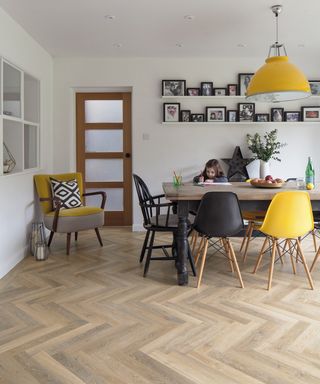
[
  {"x": 11, "y": 91},
  {"x": 104, "y": 170},
  {"x": 30, "y": 146},
  {"x": 98, "y": 140},
  {"x": 103, "y": 111},
  {"x": 114, "y": 199}
]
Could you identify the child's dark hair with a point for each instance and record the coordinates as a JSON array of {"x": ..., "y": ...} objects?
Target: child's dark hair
[{"x": 213, "y": 163}]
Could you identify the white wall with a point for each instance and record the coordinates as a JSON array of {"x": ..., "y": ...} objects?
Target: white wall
[
  {"x": 184, "y": 148},
  {"x": 16, "y": 191}
]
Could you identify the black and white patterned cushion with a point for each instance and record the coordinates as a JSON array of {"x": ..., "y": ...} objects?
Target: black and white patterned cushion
[{"x": 67, "y": 192}]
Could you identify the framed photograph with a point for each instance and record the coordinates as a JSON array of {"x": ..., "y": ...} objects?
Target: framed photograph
[
  {"x": 207, "y": 88},
  {"x": 244, "y": 80},
  {"x": 315, "y": 87},
  {"x": 292, "y": 116},
  {"x": 310, "y": 113},
  {"x": 185, "y": 115},
  {"x": 220, "y": 91},
  {"x": 232, "y": 89},
  {"x": 216, "y": 114},
  {"x": 197, "y": 117},
  {"x": 193, "y": 91},
  {"x": 246, "y": 111},
  {"x": 171, "y": 112},
  {"x": 262, "y": 117},
  {"x": 232, "y": 116},
  {"x": 173, "y": 87},
  {"x": 277, "y": 114}
]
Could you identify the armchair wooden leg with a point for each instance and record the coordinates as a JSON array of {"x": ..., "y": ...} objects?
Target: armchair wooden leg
[
  {"x": 50, "y": 238},
  {"x": 144, "y": 247},
  {"x": 98, "y": 236},
  {"x": 68, "y": 243},
  {"x": 76, "y": 236},
  {"x": 146, "y": 266}
]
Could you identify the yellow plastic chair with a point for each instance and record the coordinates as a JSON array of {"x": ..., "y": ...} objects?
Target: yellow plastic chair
[{"x": 289, "y": 217}]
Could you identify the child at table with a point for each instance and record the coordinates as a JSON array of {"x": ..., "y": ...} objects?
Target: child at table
[{"x": 212, "y": 173}]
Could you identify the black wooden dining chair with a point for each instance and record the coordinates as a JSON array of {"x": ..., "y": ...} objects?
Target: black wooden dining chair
[
  {"x": 157, "y": 217},
  {"x": 219, "y": 216}
]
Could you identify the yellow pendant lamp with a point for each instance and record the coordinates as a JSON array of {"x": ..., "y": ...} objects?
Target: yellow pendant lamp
[{"x": 278, "y": 79}]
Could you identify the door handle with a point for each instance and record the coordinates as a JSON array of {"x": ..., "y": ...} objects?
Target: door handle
[{"x": 127, "y": 155}]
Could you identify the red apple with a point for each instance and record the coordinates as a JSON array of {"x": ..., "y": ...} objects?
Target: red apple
[{"x": 269, "y": 177}]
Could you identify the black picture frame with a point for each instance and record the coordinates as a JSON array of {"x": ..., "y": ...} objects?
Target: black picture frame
[
  {"x": 277, "y": 114},
  {"x": 197, "y": 117},
  {"x": 315, "y": 87},
  {"x": 185, "y": 115},
  {"x": 243, "y": 82},
  {"x": 220, "y": 91},
  {"x": 232, "y": 115},
  {"x": 232, "y": 89},
  {"x": 173, "y": 87},
  {"x": 193, "y": 91},
  {"x": 310, "y": 114},
  {"x": 292, "y": 116},
  {"x": 171, "y": 115},
  {"x": 206, "y": 88},
  {"x": 246, "y": 111},
  {"x": 262, "y": 117},
  {"x": 216, "y": 114}
]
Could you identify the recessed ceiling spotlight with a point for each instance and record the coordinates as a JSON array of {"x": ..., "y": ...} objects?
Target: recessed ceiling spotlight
[
  {"x": 110, "y": 17},
  {"x": 179, "y": 45},
  {"x": 117, "y": 45},
  {"x": 241, "y": 45},
  {"x": 189, "y": 17}
]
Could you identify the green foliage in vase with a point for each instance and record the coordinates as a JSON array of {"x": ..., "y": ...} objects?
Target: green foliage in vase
[{"x": 265, "y": 148}]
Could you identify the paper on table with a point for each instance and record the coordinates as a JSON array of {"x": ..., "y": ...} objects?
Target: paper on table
[{"x": 208, "y": 183}]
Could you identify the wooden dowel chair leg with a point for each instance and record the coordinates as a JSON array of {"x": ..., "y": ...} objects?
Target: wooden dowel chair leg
[
  {"x": 305, "y": 265},
  {"x": 194, "y": 241},
  {"x": 227, "y": 250},
  {"x": 50, "y": 238},
  {"x": 196, "y": 259},
  {"x": 314, "y": 237},
  {"x": 68, "y": 243},
  {"x": 273, "y": 255},
  {"x": 280, "y": 254},
  {"x": 144, "y": 247},
  {"x": 235, "y": 262},
  {"x": 98, "y": 236},
  {"x": 203, "y": 260},
  {"x": 245, "y": 237},
  {"x": 260, "y": 255},
  {"x": 315, "y": 260},
  {"x": 248, "y": 241},
  {"x": 290, "y": 250}
]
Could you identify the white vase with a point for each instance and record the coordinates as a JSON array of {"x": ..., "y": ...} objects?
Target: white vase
[{"x": 264, "y": 169}]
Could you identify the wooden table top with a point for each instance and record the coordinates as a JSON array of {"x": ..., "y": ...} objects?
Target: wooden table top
[{"x": 244, "y": 191}]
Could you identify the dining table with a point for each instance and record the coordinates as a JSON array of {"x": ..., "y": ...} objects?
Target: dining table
[{"x": 188, "y": 195}]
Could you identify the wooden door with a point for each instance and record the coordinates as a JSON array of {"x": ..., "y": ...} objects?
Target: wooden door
[{"x": 104, "y": 151}]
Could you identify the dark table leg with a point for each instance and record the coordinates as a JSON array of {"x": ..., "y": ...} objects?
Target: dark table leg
[{"x": 182, "y": 242}]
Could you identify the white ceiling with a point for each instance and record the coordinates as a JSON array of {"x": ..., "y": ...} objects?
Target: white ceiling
[{"x": 152, "y": 28}]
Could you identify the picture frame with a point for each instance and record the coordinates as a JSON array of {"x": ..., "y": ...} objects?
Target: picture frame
[
  {"x": 292, "y": 116},
  {"x": 185, "y": 115},
  {"x": 232, "y": 115},
  {"x": 246, "y": 111},
  {"x": 171, "y": 112},
  {"x": 193, "y": 91},
  {"x": 310, "y": 114},
  {"x": 232, "y": 89},
  {"x": 173, "y": 87},
  {"x": 215, "y": 114},
  {"x": 206, "y": 88},
  {"x": 197, "y": 117},
  {"x": 277, "y": 114},
  {"x": 315, "y": 87},
  {"x": 243, "y": 82},
  {"x": 262, "y": 117},
  {"x": 220, "y": 91}
]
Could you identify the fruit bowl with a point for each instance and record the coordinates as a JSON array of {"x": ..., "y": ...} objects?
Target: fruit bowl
[{"x": 266, "y": 184}]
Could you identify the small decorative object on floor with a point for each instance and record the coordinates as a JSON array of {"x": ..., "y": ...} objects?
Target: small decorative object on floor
[
  {"x": 237, "y": 166},
  {"x": 9, "y": 161},
  {"x": 38, "y": 242},
  {"x": 265, "y": 149}
]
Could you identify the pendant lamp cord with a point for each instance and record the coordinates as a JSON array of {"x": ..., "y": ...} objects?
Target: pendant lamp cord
[{"x": 277, "y": 35}]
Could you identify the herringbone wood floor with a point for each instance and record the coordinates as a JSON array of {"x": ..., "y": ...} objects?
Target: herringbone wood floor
[{"x": 92, "y": 318}]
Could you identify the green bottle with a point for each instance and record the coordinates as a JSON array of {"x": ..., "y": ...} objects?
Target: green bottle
[{"x": 309, "y": 172}]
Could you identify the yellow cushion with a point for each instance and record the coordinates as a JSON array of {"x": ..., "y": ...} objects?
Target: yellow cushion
[
  {"x": 43, "y": 187},
  {"x": 79, "y": 211}
]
